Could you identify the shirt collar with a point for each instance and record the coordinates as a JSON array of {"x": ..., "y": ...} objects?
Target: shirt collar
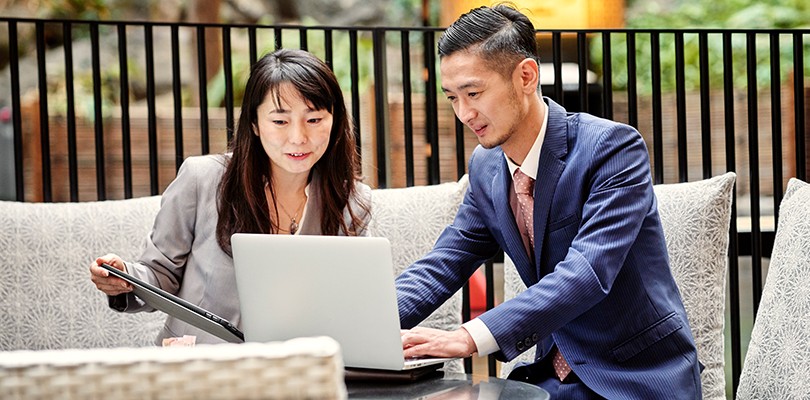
[{"x": 530, "y": 163}]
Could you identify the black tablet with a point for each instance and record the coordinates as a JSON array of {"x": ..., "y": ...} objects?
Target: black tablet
[{"x": 179, "y": 308}]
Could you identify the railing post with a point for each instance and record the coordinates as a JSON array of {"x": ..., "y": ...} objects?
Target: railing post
[
  {"x": 431, "y": 109},
  {"x": 381, "y": 112},
  {"x": 16, "y": 117},
  {"x": 154, "y": 161},
  {"x": 73, "y": 164},
  {"x": 733, "y": 265},
  {"x": 44, "y": 129},
  {"x": 126, "y": 140},
  {"x": 98, "y": 117}
]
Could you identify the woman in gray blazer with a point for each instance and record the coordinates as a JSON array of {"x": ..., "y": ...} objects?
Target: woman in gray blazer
[{"x": 293, "y": 169}]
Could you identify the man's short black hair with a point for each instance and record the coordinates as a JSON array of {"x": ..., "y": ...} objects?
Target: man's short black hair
[{"x": 500, "y": 35}]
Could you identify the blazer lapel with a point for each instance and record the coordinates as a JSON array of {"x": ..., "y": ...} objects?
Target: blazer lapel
[
  {"x": 513, "y": 242},
  {"x": 549, "y": 170}
]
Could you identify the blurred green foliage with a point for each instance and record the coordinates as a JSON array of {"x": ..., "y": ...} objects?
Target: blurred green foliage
[
  {"x": 695, "y": 14},
  {"x": 95, "y": 9},
  {"x": 341, "y": 62}
]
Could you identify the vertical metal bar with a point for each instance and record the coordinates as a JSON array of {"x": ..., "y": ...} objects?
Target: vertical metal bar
[
  {"x": 753, "y": 165},
  {"x": 381, "y": 105},
  {"x": 489, "y": 272},
  {"x": 202, "y": 84},
  {"x": 227, "y": 71},
  {"x": 277, "y": 37},
  {"x": 302, "y": 35},
  {"x": 73, "y": 165},
  {"x": 407, "y": 107},
  {"x": 776, "y": 124},
  {"x": 151, "y": 113},
  {"x": 432, "y": 108},
  {"x": 798, "y": 98},
  {"x": 466, "y": 315},
  {"x": 355, "y": 76},
  {"x": 461, "y": 161},
  {"x": 658, "y": 131},
  {"x": 178, "y": 99},
  {"x": 680, "y": 98},
  {"x": 252, "y": 45},
  {"x": 328, "y": 46},
  {"x": 126, "y": 140},
  {"x": 607, "y": 77},
  {"x": 582, "y": 57},
  {"x": 632, "y": 87},
  {"x": 733, "y": 266},
  {"x": 16, "y": 117},
  {"x": 556, "y": 49},
  {"x": 44, "y": 127},
  {"x": 98, "y": 122},
  {"x": 705, "y": 104}
]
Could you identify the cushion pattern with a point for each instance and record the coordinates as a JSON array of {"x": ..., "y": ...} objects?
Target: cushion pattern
[
  {"x": 778, "y": 359},
  {"x": 695, "y": 217},
  {"x": 47, "y": 309},
  {"x": 412, "y": 219}
]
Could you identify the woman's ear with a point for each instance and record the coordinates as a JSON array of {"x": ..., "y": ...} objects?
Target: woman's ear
[{"x": 255, "y": 129}]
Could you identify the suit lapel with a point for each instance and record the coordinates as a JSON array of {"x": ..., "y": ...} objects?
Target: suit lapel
[
  {"x": 549, "y": 169},
  {"x": 501, "y": 186}
]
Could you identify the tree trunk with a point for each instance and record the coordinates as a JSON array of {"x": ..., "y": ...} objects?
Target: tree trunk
[
  {"x": 287, "y": 11},
  {"x": 206, "y": 12}
]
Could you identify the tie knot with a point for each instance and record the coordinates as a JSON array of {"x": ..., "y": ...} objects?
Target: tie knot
[{"x": 523, "y": 183}]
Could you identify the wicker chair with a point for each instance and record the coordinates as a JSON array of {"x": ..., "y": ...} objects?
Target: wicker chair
[{"x": 303, "y": 368}]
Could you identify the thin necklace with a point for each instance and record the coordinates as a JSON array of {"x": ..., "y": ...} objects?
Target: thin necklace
[{"x": 293, "y": 222}]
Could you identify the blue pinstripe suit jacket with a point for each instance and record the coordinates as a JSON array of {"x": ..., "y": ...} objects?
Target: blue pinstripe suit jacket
[{"x": 599, "y": 285}]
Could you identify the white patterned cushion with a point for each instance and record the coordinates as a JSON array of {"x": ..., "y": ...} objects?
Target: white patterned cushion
[
  {"x": 695, "y": 217},
  {"x": 46, "y": 298},
  {"x": 412, "y": 219},
  {"x": 778, "y": 360}
]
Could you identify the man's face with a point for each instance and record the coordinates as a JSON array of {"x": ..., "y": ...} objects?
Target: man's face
[{"x": 483, "y": 99}]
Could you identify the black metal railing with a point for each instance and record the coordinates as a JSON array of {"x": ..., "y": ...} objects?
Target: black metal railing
[{"x": 706, "y": 100}]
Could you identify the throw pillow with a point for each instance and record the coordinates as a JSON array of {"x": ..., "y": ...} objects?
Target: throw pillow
[
  {"x": 778, "y": 358},
  {"x": 412, "y": 219},
  {"x": 47, "y": 298}
]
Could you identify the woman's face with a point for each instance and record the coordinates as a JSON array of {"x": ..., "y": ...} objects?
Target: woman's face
[{"x": 293, "y": 135}]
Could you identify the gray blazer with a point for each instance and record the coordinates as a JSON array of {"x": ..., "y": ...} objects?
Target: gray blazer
[{"x": 182, "y": 255}]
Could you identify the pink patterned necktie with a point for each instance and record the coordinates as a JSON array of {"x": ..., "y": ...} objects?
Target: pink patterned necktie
[{"x": 524, "y": 189}]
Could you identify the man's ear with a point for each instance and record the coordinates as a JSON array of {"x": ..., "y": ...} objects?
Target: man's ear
[{"x": 528, "y": 75}]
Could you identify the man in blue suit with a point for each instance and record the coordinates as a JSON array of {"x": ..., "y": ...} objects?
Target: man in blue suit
[{"x": 601, "y": 305}]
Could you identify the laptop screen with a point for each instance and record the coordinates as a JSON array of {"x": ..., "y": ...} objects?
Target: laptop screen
[{"x": 343, "y": 287}]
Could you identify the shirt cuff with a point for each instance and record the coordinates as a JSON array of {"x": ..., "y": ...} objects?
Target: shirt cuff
[{"x": 481, "y": 335}]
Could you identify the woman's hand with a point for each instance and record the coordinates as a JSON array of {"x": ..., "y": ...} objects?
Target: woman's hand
[{"x": 110, "y": 285}]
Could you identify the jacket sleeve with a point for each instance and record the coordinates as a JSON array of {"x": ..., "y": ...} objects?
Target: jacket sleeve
[
  {"x": 461, "y": 248},
  {"x": 163, "y": 260}
]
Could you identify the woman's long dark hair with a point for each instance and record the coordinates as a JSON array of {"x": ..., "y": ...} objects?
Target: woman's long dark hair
[{"x": 242, "y": 203}]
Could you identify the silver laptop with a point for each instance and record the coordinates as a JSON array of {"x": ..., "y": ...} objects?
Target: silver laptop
[{"x": 338, "y": 286}]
